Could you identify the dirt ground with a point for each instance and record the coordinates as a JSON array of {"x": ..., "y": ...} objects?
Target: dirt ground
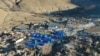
[{"x": 15, "y": 12}]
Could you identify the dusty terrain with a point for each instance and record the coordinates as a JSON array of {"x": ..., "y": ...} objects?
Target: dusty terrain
[{"x": 15, "y": 12}]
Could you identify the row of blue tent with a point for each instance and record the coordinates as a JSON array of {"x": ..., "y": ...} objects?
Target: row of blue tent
[{"x": 42, "y": 39}]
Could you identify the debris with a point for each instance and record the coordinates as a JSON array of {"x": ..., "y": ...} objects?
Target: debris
[{"x": 19, "y": 40}]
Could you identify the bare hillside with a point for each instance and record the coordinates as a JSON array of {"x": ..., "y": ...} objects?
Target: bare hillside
[{"x": 15, "y": 12}]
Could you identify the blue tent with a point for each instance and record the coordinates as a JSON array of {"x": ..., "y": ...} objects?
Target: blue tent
[
  {"x": 41, "y": 35},
  {"x": 59, "y": 35},
  {"x": 45, "y": 36},
  {"x": 36, "y": 35},
  {"x": 41, "y": 39},
  {"x": 31, "y": 45},
  {"x": 47, "y": 40},
  {"x": 41, "y": 43}
]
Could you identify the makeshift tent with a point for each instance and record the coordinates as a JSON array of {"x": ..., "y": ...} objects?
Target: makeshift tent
[
  {"x": 58, "y": 34},
  {"x": 42, "y": 39},
  {"x": 31, "y": 45}
]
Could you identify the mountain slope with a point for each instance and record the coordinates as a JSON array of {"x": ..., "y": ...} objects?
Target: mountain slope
[{"x": 43, "y": 6}]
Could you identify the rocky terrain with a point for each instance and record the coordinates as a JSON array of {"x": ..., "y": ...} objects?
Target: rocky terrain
[
  {"x": 23, "y": 11},
  {"x": 78, "y": 15}
]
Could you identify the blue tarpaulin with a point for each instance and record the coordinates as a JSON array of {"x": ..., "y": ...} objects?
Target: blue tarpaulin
[
  {"x": 31, "y": 45},
  {"x": 59, "y": 35},
  {"x": 42, "y": 39}
]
